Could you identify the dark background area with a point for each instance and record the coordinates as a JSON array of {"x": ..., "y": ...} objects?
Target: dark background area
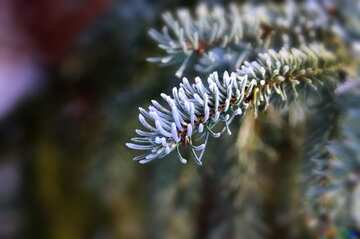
[{"x": 72, "y": 74}]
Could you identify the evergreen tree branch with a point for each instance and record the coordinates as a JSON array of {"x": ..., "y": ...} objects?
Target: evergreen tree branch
[
  {"x": 222, "y": 38},
  {"x": 334, "y": 177},
  {"x": 198, "y": 108}
]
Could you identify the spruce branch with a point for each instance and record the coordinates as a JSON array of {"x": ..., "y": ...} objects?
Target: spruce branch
[
  {"x": 195, "y": 110},
  {"x": 184, "y": 35},
  {"x": 335, "y": 174},
  {"x": 219, "y": 37}
]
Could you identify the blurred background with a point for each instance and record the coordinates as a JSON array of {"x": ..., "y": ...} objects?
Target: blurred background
[{"x": 72, "y": 74}]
